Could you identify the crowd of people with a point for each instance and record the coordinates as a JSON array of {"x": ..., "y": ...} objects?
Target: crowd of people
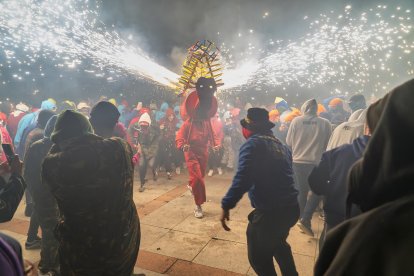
[{"x": 79, "y": 161}]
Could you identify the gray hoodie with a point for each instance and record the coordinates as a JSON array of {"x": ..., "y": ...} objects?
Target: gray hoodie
[
  {"x": 308, "y": 135},
  {"x": 347, "y": 132}
]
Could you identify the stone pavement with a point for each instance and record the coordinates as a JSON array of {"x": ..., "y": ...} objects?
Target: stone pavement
[{"x": 173, "y": 242}]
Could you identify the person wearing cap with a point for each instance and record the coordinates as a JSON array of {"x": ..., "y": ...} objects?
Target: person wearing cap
[
  {"x": 45, "y": 206},
  {"x": 265, "y": 172},
  {"x": 91, "y": 179},
  {"x": 307, "y": 136},
  {"x": 84, "y": 108},
  {"x": 338, "y": 114}
]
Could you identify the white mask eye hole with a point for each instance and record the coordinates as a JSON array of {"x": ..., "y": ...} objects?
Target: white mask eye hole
[
  {"x": 211, "y": 87},
  {"x": 201, "y": 86}
]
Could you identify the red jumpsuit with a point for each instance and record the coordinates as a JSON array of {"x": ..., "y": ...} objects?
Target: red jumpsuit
[{"x": 197, "y": 134}]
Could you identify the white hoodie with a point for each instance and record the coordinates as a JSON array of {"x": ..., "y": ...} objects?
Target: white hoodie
[
  {"x": 308, "y": 135},
  {"x": 347, "y": 132}
]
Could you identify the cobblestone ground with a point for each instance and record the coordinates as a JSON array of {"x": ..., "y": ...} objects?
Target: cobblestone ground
[{"x": 175, "y": 243}]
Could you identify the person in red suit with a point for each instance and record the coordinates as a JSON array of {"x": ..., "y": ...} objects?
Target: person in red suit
[{"x": 195, "y": 136}]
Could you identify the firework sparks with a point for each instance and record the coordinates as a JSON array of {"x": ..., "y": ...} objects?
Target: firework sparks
[{"x": 69, "y": 32}]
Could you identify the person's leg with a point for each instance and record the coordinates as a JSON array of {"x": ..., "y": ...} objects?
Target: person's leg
[
  {"x": 196, "y": 181},
  {"x": 48, "y": 219},
  {"x": 33, "y": 241},
  {"x": 259, "y": 246},
  {"x": 310, "y": 207},
  {"x": 142, "y": 169},
  {"x": 282, "y": 251},
  {"x": 301, "y": 174}
]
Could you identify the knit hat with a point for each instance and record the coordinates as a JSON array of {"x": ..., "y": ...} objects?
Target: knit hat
[
  {"x": 22, "y": 107},
  {"x": 66, "y": 105},
  {"x": 112, "y": 101},
  {"x": 274, "y": 115},
  {"x": 70, "y": 124},
  {"x": 83, "y": 105},
  {"x": 145, "y": 118},
  {"x": 321, "y": 109},
  {"x": 335, "y": 102},
  {"x": 104, "y": 114},
  {"x": 257, "y": 119}
]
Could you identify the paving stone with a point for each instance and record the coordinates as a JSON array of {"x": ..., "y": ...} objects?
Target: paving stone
[
  {"x": 226, "y": 255},
  {"x": 237, "y": 233},
  {"x": 202, "y": 227},
  {"x": 154, "y": 262},
  {"x": 150, "y": 234},
  {"x": 179, "y": 245},
  {"x": 185, "y": 268}
]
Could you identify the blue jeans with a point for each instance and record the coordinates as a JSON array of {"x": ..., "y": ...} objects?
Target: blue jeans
[
  {"x": 301, "y": 173},
  {"x": 310, "y": 207}
]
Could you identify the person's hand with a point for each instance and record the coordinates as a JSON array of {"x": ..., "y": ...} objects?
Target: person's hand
[
  {"x": 225, "y": 216},
  {"x": 186, "y": 147},
  {"x": 4, "y": 168},
  {"x": 16, "y": 166}
]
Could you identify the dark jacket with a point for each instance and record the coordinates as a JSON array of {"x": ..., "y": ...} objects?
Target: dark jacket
[
  {"x": 265, "y": 171},
  {"x": 92, "y": 181},
  {"x": 380, "y": 241},
  {"x": 11, "y": 193},
  {"x": 329, "y": 178}
]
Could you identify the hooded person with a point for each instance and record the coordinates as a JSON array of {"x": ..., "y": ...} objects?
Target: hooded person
[
  {"x": 161, "y": 113},
  {"x": 147, "y": 141},
  {"x": 347, "y": 132},
  {"x": 45, "y": 206},
  {"x": 379, "y": 241},
  {"x": 103, "y": 118},
  {"x": 338, "y": 115},
  {"x": 196, "y": 134},
  {"x": 357, "y": 102},
  {"x": 167, "y": 150},
  {"x": 91, "y": 179},
  {"x": 308, "y": 136},
  {"x": 31, "y": 119},
  {"x": 265, "y": 172},
  {"x": 329, "y": 178}
]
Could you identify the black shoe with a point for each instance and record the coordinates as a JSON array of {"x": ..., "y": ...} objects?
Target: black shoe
[
  {"x": 154, "y": 175},
  {"x": 305, "y": 227},
  {"x": 32, "y": 245},
  {"x": 28, "y": 210}
]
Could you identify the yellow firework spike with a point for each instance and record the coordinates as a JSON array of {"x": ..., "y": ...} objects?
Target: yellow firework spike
[{"x": 203, "y": 60}]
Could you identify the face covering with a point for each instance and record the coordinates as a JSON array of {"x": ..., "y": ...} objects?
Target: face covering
[{"x": 247, "y": 133}]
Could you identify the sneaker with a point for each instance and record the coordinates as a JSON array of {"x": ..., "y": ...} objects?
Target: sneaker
[
  {"x": 154, "y": 175},
  {"x": 178, "y": 170},
  {"x": 32, "y": 245},
  {"x": 198, "y": 212},
  {"x": 210, "y": 173},
  {"x": 220, "y": 171},
  {"x": 168, "y": 175},
  {"x": 305, "y": 228},
  {"x": 141, "y": 189},
  {"x": 190, "y": 189}
]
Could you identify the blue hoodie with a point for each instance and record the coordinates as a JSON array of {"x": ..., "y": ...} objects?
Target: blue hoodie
[
  {"x": 161, "y": 113},
  {"x": 329, "y": 178},
  {"x": 30, "y": 119}
]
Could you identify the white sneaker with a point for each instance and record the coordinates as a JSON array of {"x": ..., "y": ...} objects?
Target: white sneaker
[
  {"x": 210, "y": 173},
  {"x": 198, "y": 212},
  {"x": 190, "y": 189},
  {"x": 220, "y": 171},
  {"x": 178, "y": 170}
]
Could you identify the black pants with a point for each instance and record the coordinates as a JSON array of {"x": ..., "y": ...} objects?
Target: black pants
[
  {"x": 266, "y": 239},
  {"x": 166, "y": 155},
  {"x": 33, "y": 226},
  {"x": 214, "y": 159}
]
